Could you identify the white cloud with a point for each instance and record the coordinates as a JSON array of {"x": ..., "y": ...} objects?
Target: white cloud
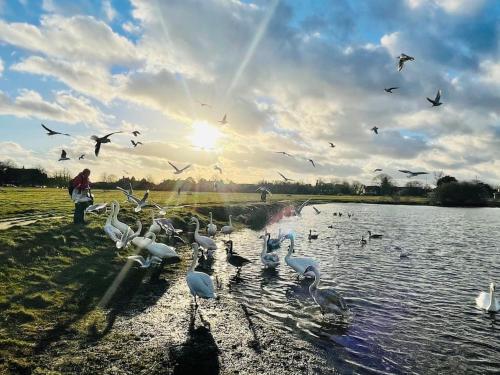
[{"x": 108, "y": 10}]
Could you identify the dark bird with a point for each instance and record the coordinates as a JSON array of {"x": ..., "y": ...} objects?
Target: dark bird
[
  {"x": 136, "y": 133},
  {"x": 82, "y": 156},
  {"x": 217, "y": 168},
  {"x": 283, "y": 152},
  {"x": 312, "y": 162},
  {"x": 177, "y": 170},
  {"x": 136, "y": 143},
  {"x": 374, "y": 129},
  {"x": 224, "y": 120},
  {"x": 316, "y": 210},
  {"x": 52, "y": 132},
  {"x": 389, "y": 90},
  {"x": 63, "y": 156},
  {"x": 205, "y": 105},
  {"x": 100, "y": 140},
  {"x": 233, "y": 259},
  {"x": 312, "y": 236},
  {"x": 402, "y": 59},
  {"x": 331, "y": 145},
  {"x": 370, "y": 235},
  {"x": 377, "y": 170},
  {"x": 436, "y": 102},
  {"x": 285, "y": 178},
  {"x": 411, "y": 174}
]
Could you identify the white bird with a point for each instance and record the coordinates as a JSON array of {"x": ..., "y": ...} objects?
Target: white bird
[
  {"x": 154, "y": 227},
  {"x": 129, "y": 235},
  {"x": 205, "y": 242},
  {"x": 128, "y": 193},
  {"x": 126, "y": 232},
  {"x": 177, "y": 170},
  {"x": 269, "y": 260},
  {"x": 112, "y": 232},
  {"x": 96, "y": 207},
  {"x": 162, "y": 211},
  {"x": 199, "y": 283},
  {"x": 211, "y": 227},
  {"x": 299, "y": 264},
  {"x": 328, "y": 300},
  {"x": 160, "y": 250},
  {"x": 263, "y": 188},
  {"x": 228, "y": 229},
  {"x": 298, "y": 210},
  {"x": 402, "y": 59},
  {"x": 488, "y": 301},
  {"x": 145, "y": 263},
  {"x": 140, "y": 203}
]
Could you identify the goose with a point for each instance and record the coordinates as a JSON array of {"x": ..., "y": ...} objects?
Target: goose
[
  {"x": 199, "y": 283},
  {"x": 312, "y": 236},
  {"x": 299, "y": 264},
  {"x": 205, "y": 242},
  {"x": 362, "y": 241},
  {"x": 370, "y": 235},
  {"x": 112, "y": 231},
  {"x": 145, "y": 263},
  {"x": 488, "y": 301},
  {"x": 228, "y": 229},
  {"x": 160, "y": 250},
  {"x": 211, "y": 227},
  {"x": 316, "y": 210},
  {"x": 328, "y": 300},
  {"x": 274, "y": 243},
  {"x": 269, "y": 260},
  {"x": 233, "y": 259}
]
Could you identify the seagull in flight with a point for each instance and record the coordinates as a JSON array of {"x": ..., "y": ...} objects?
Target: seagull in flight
[
  {"x": 136, "y": 133},
  {"x": 205, "y": 104},
  {"x": 136, "y": 143},
  {"x": 331, "y": 145},
  {"x": 284, "y": 153},
  {"x": 217, "y": 168},
  {"x": 177, "y": 170},
  {"x": 411, "y": 174},
  {"x": 263, "y": 188},
  {"x": 402, "y": 59},
  {"x": 128, "y": 193},
  {"x": 63, "y": 156},
  {"x": 52, "y": 132},
  {"x": 377, "y": 170},
  {"x": 374, "y": 129},
  {"x": 100, "y": 140},
  {"x": 312, "y": 162},
  {"x": 224, "y": 120},
  {"x": 285, "y": 178},
  {"x": 436, "y": 102},
  {"x": 389, "y": 90},
  {"x": 82, "y": 156}
]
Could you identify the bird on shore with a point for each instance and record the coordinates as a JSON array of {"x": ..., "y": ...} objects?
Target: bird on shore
[
  {"x": 285, "y": 178},
  {"x": 211, "y": 227},
  {"x": 101, "y": 140},
  {"x": 312, "y": 236},
  {"x": 63, "y": 156},
  {"x": 374, "y": 129},
  {"x": 331, "y": 145},
  {"x": 410, "y": 173},
  {"x": 228, "y": 229},
  {"x": 224, "y": 120},
  {"x": 53, "y": 132},
  {"x": 389, "y": 90},
  {"x": 377, "y": 170},
  {"x": 403, "y": 58},
  {"x": 177, "y": 170},
  {"x": 199, "y": 283},
  {"x": 371, "y": 236},
  {"x": 217, "y": 168},
  {"x": 233, "y": 259},
  {"x": 316, "y": 210},
  {"x": 161, "y": 210},
  {"x": 328, "y": 300},
  {"x": 283, "y": 153},
  {"x": 136, "y": 133},
  {"x": 205, "y": 242},
  {"x": 82, "y": 156},
  {"x": 312, "y": 162},
  {"x": 299, "y": 264},
  {"x": 436, "y": 101},
  {"x": 136, "y": 143},
  {"x": 96, "y": 207},
  {"x": 488, "y": 301},
  {"x": 298, "y": 210}
]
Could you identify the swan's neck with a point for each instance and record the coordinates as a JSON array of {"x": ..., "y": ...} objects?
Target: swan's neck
[
  {"x": 194, "y": 261},
  {"x": 111, "y": 214},
  {"x": 115, "y": 213},
  {"x": 317, "y": 279},
  {"x": 230, "y": 223},
  {"x": 210, "y": 218},
  {"x": 493, "y": 300},
  {"x": 290, "y": 249},
  {"x": 197, "y": 228},
  {"x": 264, "y": 246}
]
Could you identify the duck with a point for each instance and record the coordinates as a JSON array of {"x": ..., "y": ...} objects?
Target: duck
[
  {"x": 227, "y": 229},
  {"x": 371, "y": 236},
  {"x": 145, "y": 263},
  {"x": 113, "y": 233},
  {"x": 299, "y": 264},
  {"x": 362, "y": 241},
  {"x": 328, "y": 300},
  {"x": 233, "y": 259},
  {"x": 211, "y": 227},
  {"x": 199, "y": 283},
  {"x": 203, "y": 241},
  {"x": 269, "y": 260},
  {"x": 312, "y": 236},
  {"x": 488, "y": 301}
]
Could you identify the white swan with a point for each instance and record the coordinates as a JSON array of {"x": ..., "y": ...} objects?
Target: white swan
[
  {"x": 327, "y": 299},
  {"x": 205, "y": 242},
  {"x": 160, "y": 250},
  {"x": 299, "y": 264},
  {"x": 129, "y": 235},
  {"x": 145, "y": 263},
  {"x": 199, "y": 283},
  {"x": 227, "y": 229},
  {"x": 113, "y": 233},
  {"x": 488, "y": 301},
  {"x": 269, "y": 260},
  {"x": 211, "y": 227},
  {"x": 154, "y": 227},
  {"x": 122, "y": 227}
]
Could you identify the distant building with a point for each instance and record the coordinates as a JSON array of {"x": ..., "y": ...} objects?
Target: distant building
[
  {"x": 22, "y": 177},
  {"x": 371, "y": 190}
]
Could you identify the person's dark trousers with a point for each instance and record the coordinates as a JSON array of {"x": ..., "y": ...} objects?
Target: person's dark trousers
[{"x": 78, "y": 217}]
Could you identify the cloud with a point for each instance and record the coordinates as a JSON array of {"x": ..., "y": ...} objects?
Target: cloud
[{"x": 108, "y": 10}]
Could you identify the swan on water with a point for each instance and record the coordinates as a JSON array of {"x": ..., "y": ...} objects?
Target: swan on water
[
  {"x": 233, "y": 259},
  {"x": 328, "y": 300},
  {"x": 228, "y": 229},
  {"x": 299, "y": 264},
  {"x": 488, "y": 301},
  {"x": 200, "y": 284},
  {"x": 269, "y": 260},
  {"x": 203, "y": 241},
  {"x": 211, "y": 227}
]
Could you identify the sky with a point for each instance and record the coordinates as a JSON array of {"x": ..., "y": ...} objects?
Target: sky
[{"x": 290, "y": 75}]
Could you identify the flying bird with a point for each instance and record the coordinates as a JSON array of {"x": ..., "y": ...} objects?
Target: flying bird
[
  {"x": 205, "y": 104},
  {"x": 402, "y": 59},
  {"x": 177, "y": 170},
  {"x": 377, "y": 170},
  {"x": 217, "y": 168},
  {"x": 374, "y": 129},
  {"x": 224, "y": 120},
  {"x": 312, "y": 162},
  {"x": 100, "y": 140},
  {"x": 63, "y": 156},
  {"x": 285, "y": 178},
  {"x": 82, "y": 156},
  {"x": 411, "y": 174},
  {"x": 331, "y": 145},
  {"x": 136, "y": 133},
  {"x": 52, "y": 132},
  {"x": 263, "y": 188},
  {"x": 284, "y": 153},
  {"x": 436, "y": 102},
  {"x": 136, "y": 143},
  {"x": 389, "y": 90}
]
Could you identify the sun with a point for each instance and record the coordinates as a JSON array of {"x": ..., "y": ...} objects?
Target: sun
[{"x": 204, "y": 136}]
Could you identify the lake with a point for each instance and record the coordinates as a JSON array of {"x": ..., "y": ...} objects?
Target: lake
[{"x": 408, "y": 315}]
